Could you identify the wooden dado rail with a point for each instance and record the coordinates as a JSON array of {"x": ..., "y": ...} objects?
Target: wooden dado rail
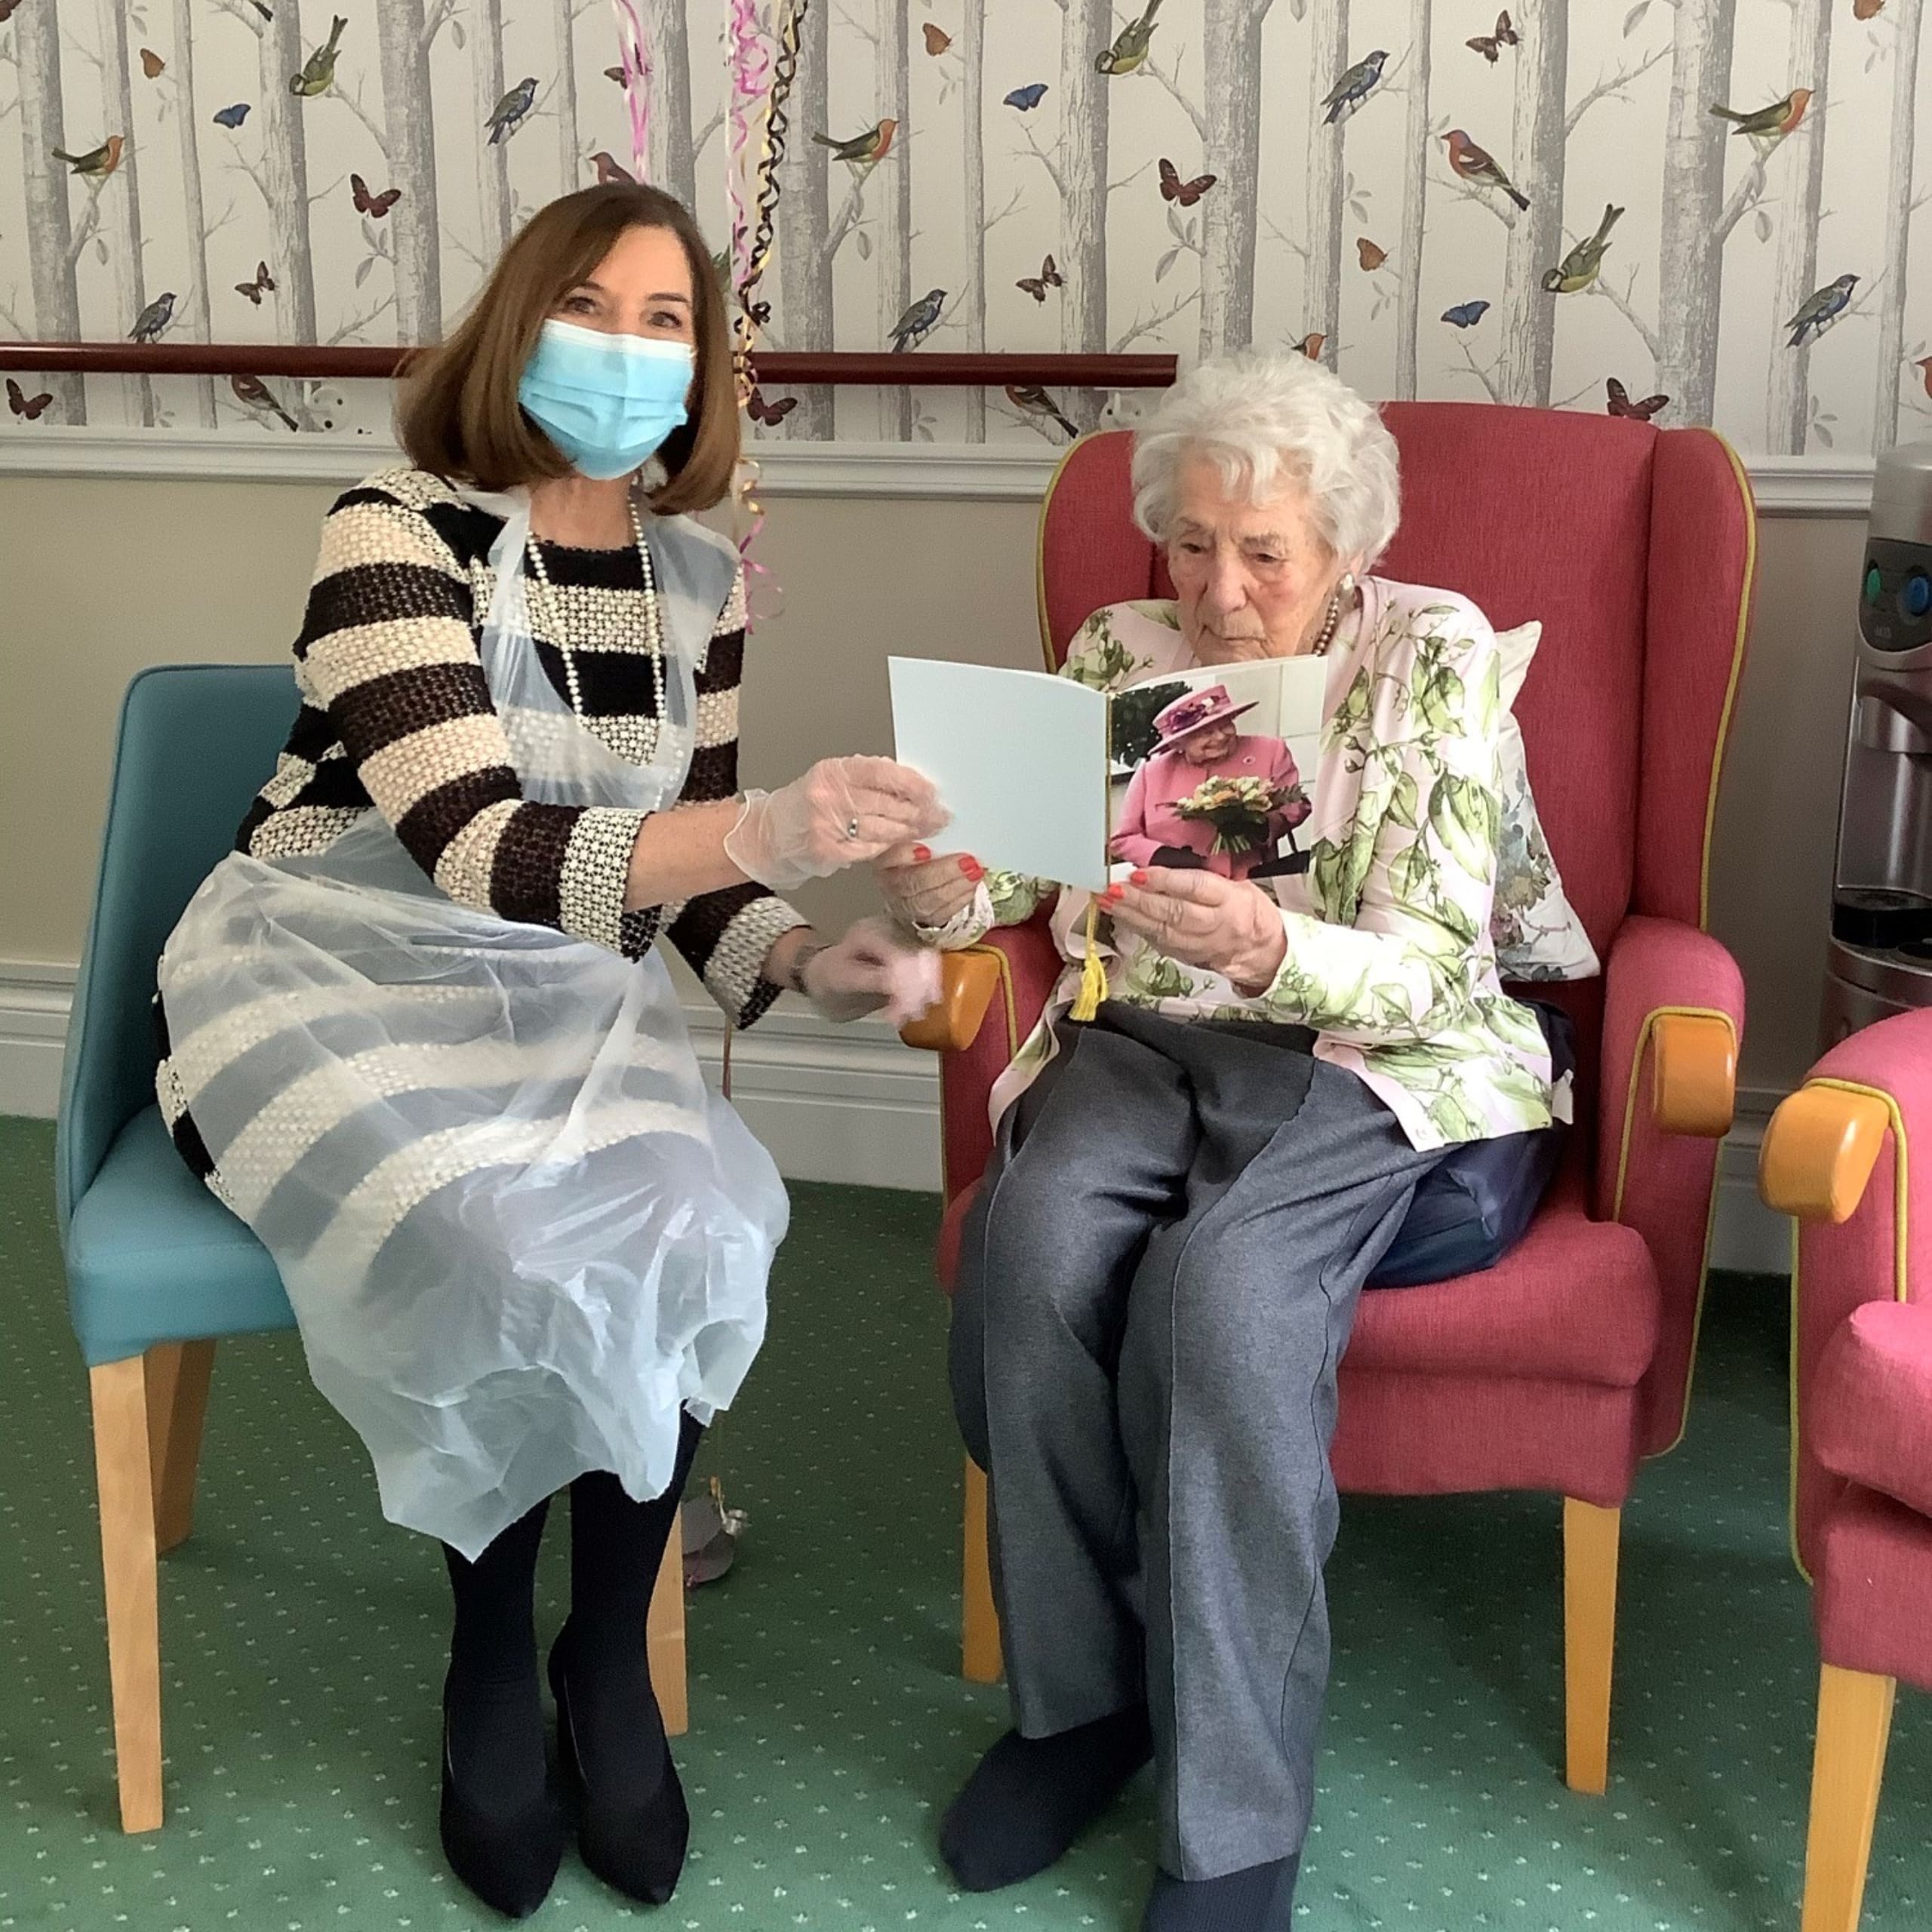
[{"x": 913, "y": 368}]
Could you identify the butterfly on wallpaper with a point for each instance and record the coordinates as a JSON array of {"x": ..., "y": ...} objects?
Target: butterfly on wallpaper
[
  {"x": 1037, "y": 285},
  {"x": 937, "y": 39},
  {"x": 7, "y": 10},
  {"x": 151, "y": 63},
  {"x": 375, "y": 206},
  {"x": 1369, "y": 255},
  {"x": 18, "y": 402},
  {"x": 1174, "y": 188},
  {"x": 614, "y": 74},
  {"x": 1466, "y": 315},
  {"x": 1861, "y": 10},
  {"x": 1029, "y": 97},
  {"x": 1311, "y": 345},
  {"x": 768, "y": 413},
  {"x": 1490, "y": 45},
  {"x": 1618, "y": 403},
  {"x": 231, "y": 117},
  {"x": 262, "y": 284}
]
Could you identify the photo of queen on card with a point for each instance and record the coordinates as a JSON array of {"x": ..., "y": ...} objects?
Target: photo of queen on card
[{"x": 1211, "y": 796}]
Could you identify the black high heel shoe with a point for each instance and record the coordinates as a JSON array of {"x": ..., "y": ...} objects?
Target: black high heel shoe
[
  {"x": 634, "y": 1841},
  {"x": 510, "y": 1863}
]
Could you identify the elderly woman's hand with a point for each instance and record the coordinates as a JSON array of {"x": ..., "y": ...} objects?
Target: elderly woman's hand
[
  {"x": 925, "y": 891},
  {"x": 1201, "y": 919}
]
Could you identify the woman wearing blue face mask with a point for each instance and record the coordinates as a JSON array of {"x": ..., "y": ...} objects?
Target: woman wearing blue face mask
[{"x": 419, "y": 1034}]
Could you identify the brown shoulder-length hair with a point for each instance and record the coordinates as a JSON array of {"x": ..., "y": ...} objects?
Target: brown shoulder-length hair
[{"x": 458, "y": 416}]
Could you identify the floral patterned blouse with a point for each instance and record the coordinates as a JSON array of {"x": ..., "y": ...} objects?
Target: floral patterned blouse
[{"x": 1389, "y": 958}]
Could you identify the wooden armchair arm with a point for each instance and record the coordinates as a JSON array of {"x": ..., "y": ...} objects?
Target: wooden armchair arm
[
  {"x": 1819, "y": 1152},
  {"x": 1693, "y": 1081},
  {"x": 968, "y": 983}
]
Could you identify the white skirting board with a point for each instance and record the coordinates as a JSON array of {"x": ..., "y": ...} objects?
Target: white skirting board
[{"x": 835, "y": 1103}]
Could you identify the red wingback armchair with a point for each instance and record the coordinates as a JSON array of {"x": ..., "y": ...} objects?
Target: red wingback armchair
[
  {"x": 1559, "y": 1369},
  {"x": 1835, "y": 1155}
]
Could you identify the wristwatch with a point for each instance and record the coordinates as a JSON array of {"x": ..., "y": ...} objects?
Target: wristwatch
[{"x": 794, "y": 980}]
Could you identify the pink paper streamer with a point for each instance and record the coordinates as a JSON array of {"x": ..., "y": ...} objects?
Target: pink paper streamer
[
  {"x": 634, "y": 52},
  {"x": 750, "y": 60}
]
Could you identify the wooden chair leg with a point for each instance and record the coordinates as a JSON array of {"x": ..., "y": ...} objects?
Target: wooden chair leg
[
  {"x": 980, "y": 1661},
  {"x": 177, "y": 1382},
  {"x": 1854, "y": 1722},
  {"x": 1589, "y": 1639},
  {"x": 123, "y": 1474},
  {"x": 664, "y": 1636}
]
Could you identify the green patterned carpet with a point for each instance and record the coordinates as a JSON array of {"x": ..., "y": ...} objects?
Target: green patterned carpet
[{"x": 303, "y": 1646}]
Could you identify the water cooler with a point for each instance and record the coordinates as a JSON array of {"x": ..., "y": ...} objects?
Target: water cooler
[{"x": 1880, "y": 957}]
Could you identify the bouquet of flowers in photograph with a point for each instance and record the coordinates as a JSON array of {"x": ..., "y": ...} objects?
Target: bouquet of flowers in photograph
[{"x": 1238, "y": 809}]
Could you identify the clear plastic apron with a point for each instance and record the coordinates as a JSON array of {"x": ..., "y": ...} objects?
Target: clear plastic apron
[{"x": 518, "y": 1233}]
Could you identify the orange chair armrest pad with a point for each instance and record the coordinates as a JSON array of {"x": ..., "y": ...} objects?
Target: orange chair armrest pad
[
  {"x": 968, "y": 983},
  {"x": 1694, "y": 1062},
  {"x": 1819, "y": 1152}
]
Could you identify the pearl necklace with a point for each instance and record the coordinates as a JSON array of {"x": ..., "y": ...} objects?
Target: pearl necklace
[
  {"x": 568, "y": 646},
  {"x": 1331, "y": 624}
]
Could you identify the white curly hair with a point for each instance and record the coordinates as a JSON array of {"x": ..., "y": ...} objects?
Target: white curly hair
[{"x": 1267, "y": 417}]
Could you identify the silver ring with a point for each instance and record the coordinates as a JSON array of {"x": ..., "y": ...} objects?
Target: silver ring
[{"x": 851, "y": 829}]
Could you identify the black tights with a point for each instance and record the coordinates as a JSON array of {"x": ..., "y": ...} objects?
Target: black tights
[{"x": 495, "y": 1707}]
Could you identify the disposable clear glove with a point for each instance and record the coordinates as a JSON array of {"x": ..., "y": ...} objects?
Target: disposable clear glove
[
  {"x": 874, "y": 965},
  {"x": 843, "y": 810}
]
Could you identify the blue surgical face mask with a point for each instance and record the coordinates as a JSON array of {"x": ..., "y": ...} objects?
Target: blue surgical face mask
[{"x": 608, "y": 401}]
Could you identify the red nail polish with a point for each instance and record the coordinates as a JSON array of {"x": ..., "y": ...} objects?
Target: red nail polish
[
  {"x": 1138, "y": 876},
  {"x": 1112, "y": 895},
  {"x": 921, "y": 854},
  {"x": 969, "y": 866}
]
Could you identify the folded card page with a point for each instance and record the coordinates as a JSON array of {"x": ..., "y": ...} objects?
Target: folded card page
[{"x": 1020, "y": 761}]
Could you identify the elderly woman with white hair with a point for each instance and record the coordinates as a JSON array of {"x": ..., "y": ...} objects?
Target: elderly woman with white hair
[{"x": 1187, "y": 1194}]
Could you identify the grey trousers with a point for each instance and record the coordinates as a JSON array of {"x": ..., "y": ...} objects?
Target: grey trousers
[{"x": 1154, "y": 1289}]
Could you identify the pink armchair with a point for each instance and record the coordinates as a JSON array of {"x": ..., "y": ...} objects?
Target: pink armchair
[
  {"x": 1835, "y": 1155},
  {"x": 1559, "y": 1369}
]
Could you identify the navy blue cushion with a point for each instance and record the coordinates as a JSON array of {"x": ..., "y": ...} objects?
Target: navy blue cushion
[{"x": 1477, "y": 1202}]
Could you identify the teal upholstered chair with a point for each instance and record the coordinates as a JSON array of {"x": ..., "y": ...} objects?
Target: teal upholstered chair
[{"x": 157, "y": 1268}]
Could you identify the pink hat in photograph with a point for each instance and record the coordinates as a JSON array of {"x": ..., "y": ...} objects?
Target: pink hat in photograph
[{"x": 1199, "y": 711}]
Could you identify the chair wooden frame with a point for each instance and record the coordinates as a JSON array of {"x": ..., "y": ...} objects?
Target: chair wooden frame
[{"x": 149, "y": 1411}]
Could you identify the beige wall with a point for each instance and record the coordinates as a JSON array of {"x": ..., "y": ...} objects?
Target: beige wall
[{"x": 104, "y": 576}]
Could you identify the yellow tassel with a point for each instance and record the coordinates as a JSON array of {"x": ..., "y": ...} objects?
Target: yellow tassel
[{"x": 1093, "y": 972}]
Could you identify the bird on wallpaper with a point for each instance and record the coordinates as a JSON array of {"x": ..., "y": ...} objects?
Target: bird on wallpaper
[
  {"x": 1030, "y": 399},
  {"x": 1355, "y": 87},
  {"x": 1472, "y": 163},
  {"x": 1579, "y": 268},
  {"x": 862, "y": 150},
  {"x": 1617, "y": 402},
  {"x": 1821, "y": 309},
  {"x": 609, "y": 168},
  {"x": 1026, "y": 98},
  {"x": 919, "y": 321},
  {"x": 97, "y": 164},
  {"x": 155, "y": 317},
  {"x": 507, "y": 115},
  {"x": 317, "y": 74},
  {"x": 231, "y": 117},
  {"x": 1130, "y": 47},
  {"x": 255, "y": 396},
  {"x": 1768, "y": 123}
]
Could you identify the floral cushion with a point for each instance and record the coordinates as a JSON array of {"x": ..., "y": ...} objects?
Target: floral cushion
[{"x": 1537, "y": 934}]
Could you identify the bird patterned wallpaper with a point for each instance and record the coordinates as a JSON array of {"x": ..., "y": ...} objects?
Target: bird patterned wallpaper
[{"x": 1693, "y": 210}]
